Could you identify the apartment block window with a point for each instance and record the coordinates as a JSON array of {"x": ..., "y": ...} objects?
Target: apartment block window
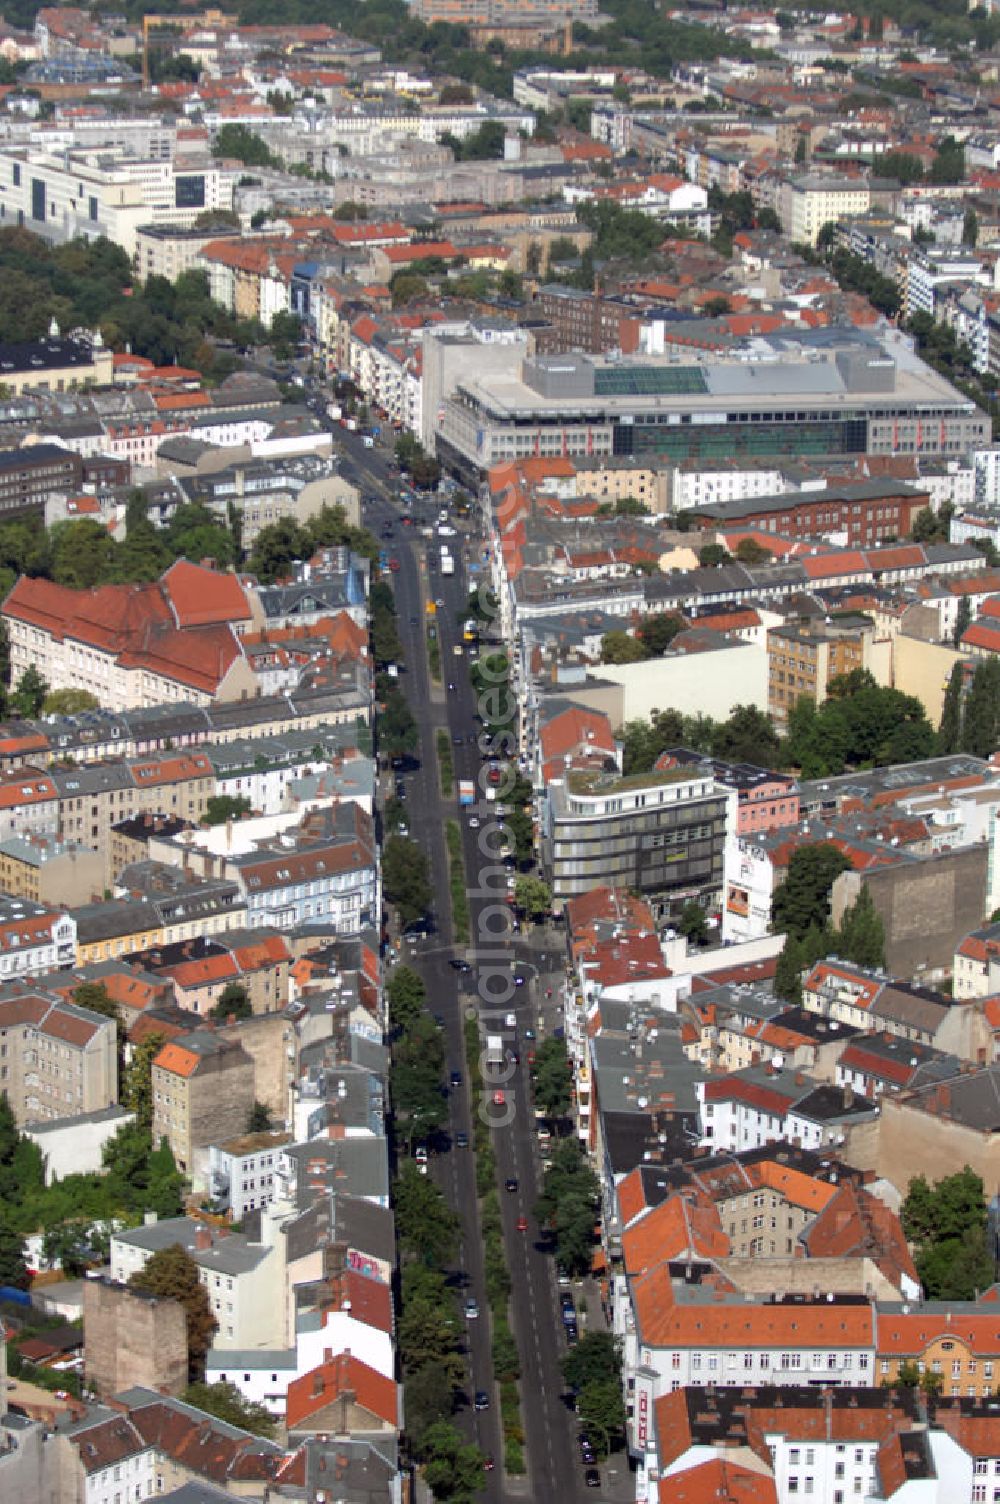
[{"x": 980, "y": 1465}]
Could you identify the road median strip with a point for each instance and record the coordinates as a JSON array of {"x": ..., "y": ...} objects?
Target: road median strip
[
  {"x": 446, "y": 765},
  {"x": 504, "y": 1354},
  {"x": 456, "y": 883}
]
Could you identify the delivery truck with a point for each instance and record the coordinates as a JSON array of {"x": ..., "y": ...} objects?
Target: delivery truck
[
  {"x": 494, "y": 1051},
  {"x": 447, "y": 563},
  {"x": 466, "y": 792}
]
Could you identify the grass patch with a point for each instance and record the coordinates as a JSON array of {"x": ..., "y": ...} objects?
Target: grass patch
[
  {"x": 446, "y": 765},
  {"x": 434, "y": 656},
  {"x": 456, "y": 876}
]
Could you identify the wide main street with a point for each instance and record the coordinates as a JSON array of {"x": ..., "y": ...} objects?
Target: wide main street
[{"x": 554, "y": 1468}]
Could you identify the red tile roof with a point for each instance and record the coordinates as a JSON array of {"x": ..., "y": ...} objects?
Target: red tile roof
[
  {"x": 199, "y": 597},
  {"x": 342, "y": 1375}
]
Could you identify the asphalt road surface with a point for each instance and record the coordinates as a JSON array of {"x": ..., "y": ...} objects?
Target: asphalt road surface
[{"x": 554, "y": 1472}]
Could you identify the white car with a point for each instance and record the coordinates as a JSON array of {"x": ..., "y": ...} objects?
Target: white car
[{"x": 473, "y": 822}]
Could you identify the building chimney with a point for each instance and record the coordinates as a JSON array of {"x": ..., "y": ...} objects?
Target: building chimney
[{"x": 202, "y": 1237}]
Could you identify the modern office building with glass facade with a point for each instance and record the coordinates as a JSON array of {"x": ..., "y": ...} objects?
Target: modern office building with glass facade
[{"x": 831, "y": 391}]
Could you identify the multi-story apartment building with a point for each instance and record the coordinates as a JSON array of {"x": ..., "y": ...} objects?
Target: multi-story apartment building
[
  {"x": 803, "y": 658},
  {"x": 203, "y": 1090},
  {"x": 244, "y": 1279},
  {"x": 28, "y": 477},
  {"x": 92, "y": 800},
  {"x": 46, "y": 870},
  {"x": 765, "y": 800},
  {"x": 56, "y": 1060},
  {"x": 241, "y": 1171},
  {"x": 863, "y": 514},
  {"x": 34, "y": 939},
  {"x": 323, "y": 867},
  {"x": 167, "y": 250},
  {"x": 135, "y": 645},
  {"x": 660, "y": 833},
  {"x": 808, "y": 202}
]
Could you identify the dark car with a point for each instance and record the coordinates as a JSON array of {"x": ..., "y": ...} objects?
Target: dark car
[
  {"x": 572, "y": 1333},
  {"x": 592, "y": 1478},
  {"x": 456, "y": 1078},
  {"x": 461, "y": 1140},
  {"x": 457, "y": 964},
  {"x": 510, "y": 1184},
  {"x": 482, "y": 1400},
  {"x": 567, "y": 1306}
]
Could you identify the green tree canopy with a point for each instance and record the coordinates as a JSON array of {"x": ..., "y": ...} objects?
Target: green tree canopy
[
  {"x": 551, "y": 1078},
  {"x": 222, "y": 807},
  {"x": 426, "y": 1225},
  {"x": 802, "y": 900},
  {"x": 225, "y": 1402},
  {"x": 69, "y": 702},
  {"x": 407, "y": 997},
  {"x": 405, "y": 878},
  {"x": 947, "y": 1222},
  {"x": 233, "y": 1002}
]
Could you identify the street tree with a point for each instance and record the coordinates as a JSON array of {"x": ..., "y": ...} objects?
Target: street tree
[
  {"x": 597, "y": 1357},
  {"x": 418, "y": 1098},
  {"x": 426, "y": 1226},
  {"x": 405, "y": 879},
  {"x": 407, "y": 997},
  {"x": 453, "y": 1467},
  {"x": 551, "y": 1078},
  {"x": 601, "y": 1408},
  {"x": 172, "y": 1274},
  {"x": 532, "y": 896}
]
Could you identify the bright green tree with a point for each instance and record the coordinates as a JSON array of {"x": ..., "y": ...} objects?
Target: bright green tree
[{"x": 532, "y": 896}]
